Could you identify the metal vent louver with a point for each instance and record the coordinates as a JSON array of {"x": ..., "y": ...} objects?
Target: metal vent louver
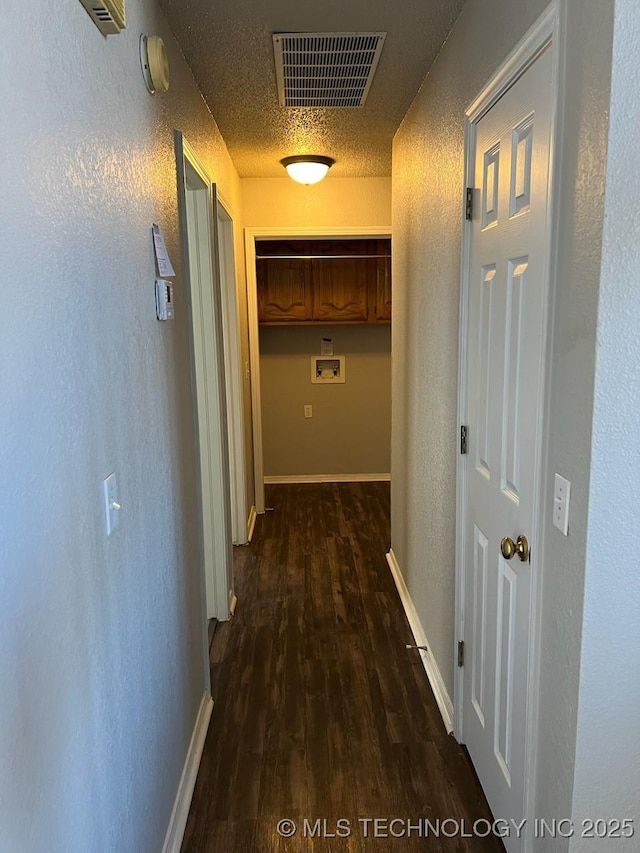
[
  {"x": 325, "y": 69},
  {"x": 107, "y": 15}
]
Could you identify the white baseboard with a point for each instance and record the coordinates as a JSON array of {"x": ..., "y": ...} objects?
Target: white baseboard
[
  {"x": 328, "y": 478},
  {"x": 251, "y": 523},
  {"x": 428, "y": 661},
  {"x": 180, "y": 813}
]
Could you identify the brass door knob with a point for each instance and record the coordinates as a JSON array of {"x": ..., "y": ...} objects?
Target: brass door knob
[{"x": 509, "y": 548}]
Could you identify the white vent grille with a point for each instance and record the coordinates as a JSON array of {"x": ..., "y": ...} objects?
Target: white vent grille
[
  {"x": 108, "y": 15},
  {"x": 325, "y": 69}
]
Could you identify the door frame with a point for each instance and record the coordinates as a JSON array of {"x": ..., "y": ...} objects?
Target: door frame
[
  {"x": 207, "y": 374},
  {"x": 547, "y": 32},
  {"x": 233, "y": 371},
  {"x": 279, "y": 233}
]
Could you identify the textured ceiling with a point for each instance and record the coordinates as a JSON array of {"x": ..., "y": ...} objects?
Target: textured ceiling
[{"x": 228, "y": 45}]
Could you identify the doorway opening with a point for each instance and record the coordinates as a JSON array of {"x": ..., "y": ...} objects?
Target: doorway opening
[
  {"x": 311, "y": 294},
  {"x": 233, "y": 374},
  {"x": 197, "y": 204}
]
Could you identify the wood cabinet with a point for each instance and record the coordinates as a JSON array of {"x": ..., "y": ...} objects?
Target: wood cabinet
[
  {"x": 340, "y": 290},
  {"x": 284, "y": 291},
  {"x": 324, "y": 281},
  {"x": 383, "y": 290}
]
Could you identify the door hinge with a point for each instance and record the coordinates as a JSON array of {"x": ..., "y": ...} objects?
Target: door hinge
[
  {"x": 468, "y": 209},
  {"x": 460, "y": 652},
  {"x": 463, "y": 439}
]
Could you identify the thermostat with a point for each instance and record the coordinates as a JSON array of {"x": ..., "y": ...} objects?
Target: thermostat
[{"x": 164, "y": 299}]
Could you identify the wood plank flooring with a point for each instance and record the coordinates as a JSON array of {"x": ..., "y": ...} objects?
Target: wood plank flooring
[{"x": 320, "y": 712}]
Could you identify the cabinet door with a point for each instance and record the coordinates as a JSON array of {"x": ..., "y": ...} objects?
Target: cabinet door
[
  {"x": 383, "y": 290},
  {"x": 340, "y": 292},
  {"x": 284, "y": 290}
]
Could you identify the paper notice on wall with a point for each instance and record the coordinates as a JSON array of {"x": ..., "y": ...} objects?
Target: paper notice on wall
[
  {"x": 165, "y": 268},
  {"x": 326, "y": 346}
]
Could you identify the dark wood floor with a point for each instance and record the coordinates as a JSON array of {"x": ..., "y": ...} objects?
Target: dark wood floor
[{"x": 320, "y": 712}]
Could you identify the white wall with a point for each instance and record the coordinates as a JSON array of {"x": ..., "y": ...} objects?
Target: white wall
[
  {"x": 427, "y": 218},
  {"x": 607, "y": 779},
  {"x": 101, "y": 658},
  {"x": 350, "y": 431}
]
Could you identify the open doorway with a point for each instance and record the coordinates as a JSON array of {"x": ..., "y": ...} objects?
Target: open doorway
[
  {"x": 197, "y": 202},
  {"x": 291, "y": 370},
  {"x": 233, "y": 374}
]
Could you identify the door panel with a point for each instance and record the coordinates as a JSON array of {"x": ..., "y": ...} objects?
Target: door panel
[
  {"x": 505, "y": 648},
  {"x": 479, "y": 643},
  {"x": 513, "y": 385},
  {"x": 506, "y": 292},
  {"x": 521, "y": 166},
  {"x": 490, "y": 185},
  {"x": 485, "y": 337}
]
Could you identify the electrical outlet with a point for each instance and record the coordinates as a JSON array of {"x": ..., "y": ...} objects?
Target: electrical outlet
[{"x": 308, "y": 411}]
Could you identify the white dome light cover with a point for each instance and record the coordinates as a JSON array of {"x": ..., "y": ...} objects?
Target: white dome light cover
[{"x": 307, "y": 168}]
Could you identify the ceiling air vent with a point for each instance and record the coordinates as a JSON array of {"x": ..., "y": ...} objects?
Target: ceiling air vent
[
  {"x": 325, "y": 69},
  {"x": 107, "y": 15}
]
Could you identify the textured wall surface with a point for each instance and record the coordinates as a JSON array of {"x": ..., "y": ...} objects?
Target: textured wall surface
[
  {"x": 607, "y": 781},
  {"x": 581, "y": 166},
  {"x": 336, "y": 202},
  {"x": 101, "y": 654},
  {"x": 350, "y": 432},
  {"x": 427, "y": 218}
]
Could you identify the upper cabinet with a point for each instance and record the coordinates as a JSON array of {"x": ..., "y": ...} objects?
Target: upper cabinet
[
  {"x": 324, "y": 281},
  {"x": 340, "y": 290},
  {"x": 284, "y": 291},
  {"x": 383, "y": 290}
]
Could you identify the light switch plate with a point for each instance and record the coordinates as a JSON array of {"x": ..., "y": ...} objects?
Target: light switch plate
[
  {"x": 111, "y": 504},
  {"x": 308, "y": 411},
  {"x": 561, "y": 497}
]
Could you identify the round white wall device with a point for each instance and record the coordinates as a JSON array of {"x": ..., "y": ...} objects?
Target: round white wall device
[{"x": 154, "y": 63}]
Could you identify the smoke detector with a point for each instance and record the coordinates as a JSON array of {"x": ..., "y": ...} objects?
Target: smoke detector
[
  {"x": 107, "y": 15},
  {"x": 154, "y": 64},
  {"x": 325, "y": 69}
]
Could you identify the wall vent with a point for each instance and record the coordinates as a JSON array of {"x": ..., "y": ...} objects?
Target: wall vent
[
  {"x": 107, "y": 15},
  {"x": 325, "y": 69}
]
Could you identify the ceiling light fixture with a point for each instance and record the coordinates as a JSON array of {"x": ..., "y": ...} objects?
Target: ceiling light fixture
[{"x": 307, "y": 168}]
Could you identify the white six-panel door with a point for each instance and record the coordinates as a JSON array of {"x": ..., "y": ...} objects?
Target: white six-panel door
[{"x": 506, "y": 291}]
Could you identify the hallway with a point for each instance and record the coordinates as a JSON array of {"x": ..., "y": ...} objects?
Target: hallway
[{"x": 320, "y": 711}]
